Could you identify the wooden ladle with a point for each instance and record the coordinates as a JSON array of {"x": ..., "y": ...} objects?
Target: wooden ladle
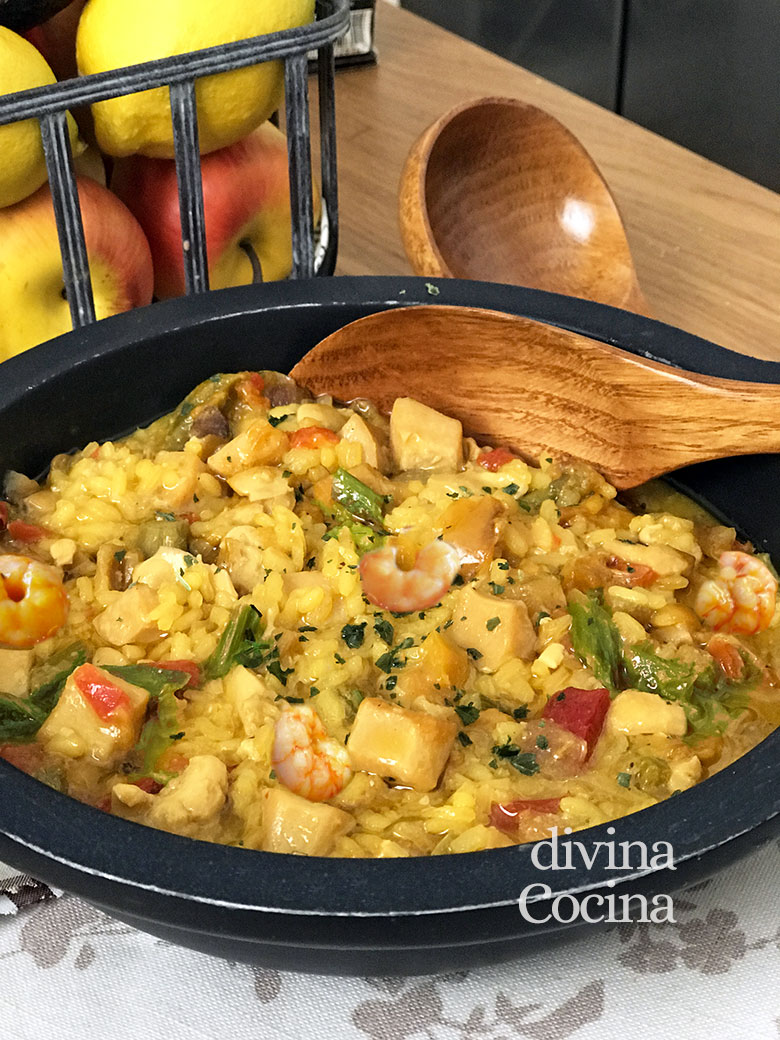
[
  {"x": 531, "y": 387},
  {"x": 499, "y": 190}
]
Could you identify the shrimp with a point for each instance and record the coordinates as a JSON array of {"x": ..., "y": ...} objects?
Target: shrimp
[
  {"x": 741, "y": 598},
  {"x": 33, "y": 601},
  {"x": 305, "y": 758},
  {"x": 387, "y": 586}
]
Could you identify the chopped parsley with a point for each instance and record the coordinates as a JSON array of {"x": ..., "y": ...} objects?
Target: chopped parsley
[
  {"x": 523, "y": 761},
  {"x": 170, "y": 517},
  {"x": 389, "y": 660},
  {"x": 511, "y": 489},
  {"x": 492, "y": 623},
  {"x": 384, "y": 630},
  {"x": 496, "y": 589},
  {"x": 353, "y": 635},
  {"x": 274, "y": 420},
  {"x": 467, "y": 713},
  {"x": 464, "y": 738},
  {"x": 624, "y": 779},
  {"x": 473, "y": 653},
  {"x": 339, "y": 659},
  {"x": 542, "y": 742},
  {"x": 274, "y": 666}
]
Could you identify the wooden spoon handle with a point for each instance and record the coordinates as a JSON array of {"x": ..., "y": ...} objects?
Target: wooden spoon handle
[{"x": 533, "y": 387}]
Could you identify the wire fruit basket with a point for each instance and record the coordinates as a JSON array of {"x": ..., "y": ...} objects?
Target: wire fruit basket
[{"x": 50, "y": 104}]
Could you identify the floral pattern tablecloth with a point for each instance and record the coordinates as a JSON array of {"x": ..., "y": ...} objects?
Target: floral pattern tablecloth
[{"x": 68, "y": 971}]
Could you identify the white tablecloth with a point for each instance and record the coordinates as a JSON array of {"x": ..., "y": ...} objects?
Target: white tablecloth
[{"x": 68, "y": 972}]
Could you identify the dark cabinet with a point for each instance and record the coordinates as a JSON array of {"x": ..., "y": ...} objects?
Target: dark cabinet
[
  {"x": 705, "y": 73},
  {"x": 572, "y": 42}
]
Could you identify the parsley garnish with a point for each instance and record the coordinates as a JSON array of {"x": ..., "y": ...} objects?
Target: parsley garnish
[
  {"x": 467, "y": 713},
  {"x": 473, "y": 653},
  {"x": 523, "y": 761},
  {"x": 384, "y": 630},
  {"x": 496, "y": 589},
  {"x": 274, "y": 420},
  {"x": 624, "y": 779},
  {"x": 492, "y": 623},
  {"x": 389, "y": 660},
  {"x": 353, "y": 635},
  {"x": 464, "y": 738}
]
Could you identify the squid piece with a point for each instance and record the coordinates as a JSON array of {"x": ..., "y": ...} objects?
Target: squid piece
[{"x": 410, "y": 746}]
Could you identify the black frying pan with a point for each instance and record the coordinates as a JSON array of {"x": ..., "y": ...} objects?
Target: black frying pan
[{"x": 350, "y": 916}]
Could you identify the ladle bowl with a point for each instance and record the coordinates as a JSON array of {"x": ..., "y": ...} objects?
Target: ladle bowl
[{"x": 498, "y": 190}]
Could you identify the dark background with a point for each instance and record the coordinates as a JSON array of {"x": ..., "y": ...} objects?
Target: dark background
[{"x": 704, "y": 73}]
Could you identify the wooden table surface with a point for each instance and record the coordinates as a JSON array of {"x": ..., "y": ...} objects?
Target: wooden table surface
[{"x": 705, "y": 241}]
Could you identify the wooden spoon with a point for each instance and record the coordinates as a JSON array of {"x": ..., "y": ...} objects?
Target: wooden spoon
[
  {"x": 499, "y": 190},
  {"x": 533, "y": 387}
]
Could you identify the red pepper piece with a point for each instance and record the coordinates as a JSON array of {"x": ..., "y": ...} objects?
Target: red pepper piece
[
  {"x": 195, "y": 678},
  {"x": 495, "y": 459},
  {"x": 22, "y": 532},
  {"x": 103, "y": 695},
  {"x": 27, "y": 757},
  {"x": 313, "y": 437},
  {"x": 3, "y": 515},
  {"x": 582, "y": 712},
  {"x": 505, "y": 817},
  {"x": 146, "y": 783}
]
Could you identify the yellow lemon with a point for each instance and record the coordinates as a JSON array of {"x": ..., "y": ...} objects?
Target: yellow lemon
[
  {"x": 115, "y": 33},
  {"x": 22, "y": 166}
]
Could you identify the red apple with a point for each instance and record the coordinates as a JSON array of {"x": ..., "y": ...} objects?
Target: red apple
[
  {"x": 246, "y": 198},
  {"x": 32, "y": 301},
  {"x": 56, "y": 39}
]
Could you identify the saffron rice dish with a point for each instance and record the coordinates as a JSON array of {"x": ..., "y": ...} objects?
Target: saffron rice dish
[{"x": 274, "y": 622}]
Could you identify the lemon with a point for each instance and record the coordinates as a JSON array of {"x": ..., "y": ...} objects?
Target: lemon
[
  {"x": 22, "y": 166},
  {"x": 115, "y": 33}
]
